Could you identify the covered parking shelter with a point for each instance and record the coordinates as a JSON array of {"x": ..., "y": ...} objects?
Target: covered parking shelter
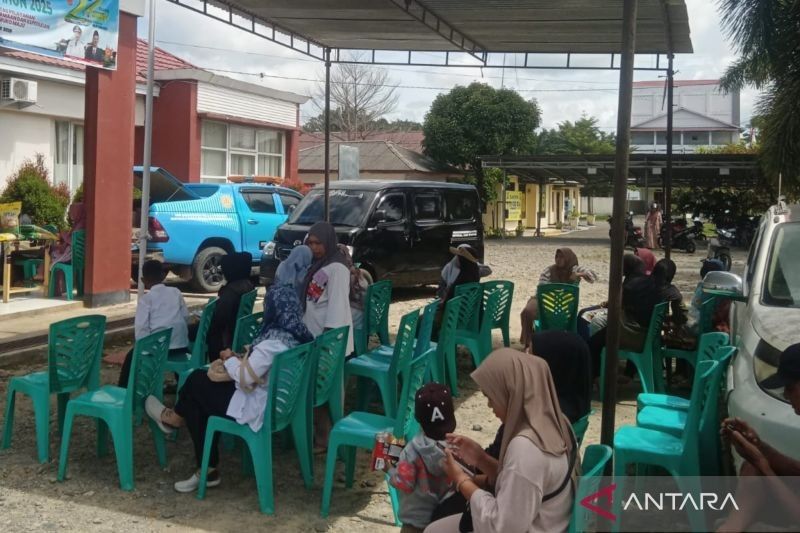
[
  {"x": 551, "y": 34},
  {"x": 645, "y": 171}
]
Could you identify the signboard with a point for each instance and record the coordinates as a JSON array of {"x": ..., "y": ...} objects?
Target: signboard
[
  {"x": 9, "y": 216},
  {"x": 348, "y": 162},
  {"x": 83, "y": 31},
  {"x": 514, "y": 201}
]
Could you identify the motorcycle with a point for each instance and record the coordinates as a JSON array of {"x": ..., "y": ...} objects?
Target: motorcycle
[
  {"x": 719, "y": 247},
  {"x": 683, "y": 237},
  {"x": 634, "y": 237}
]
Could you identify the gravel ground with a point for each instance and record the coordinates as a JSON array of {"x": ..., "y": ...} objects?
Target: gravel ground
[{"x": 31, "y": 499}]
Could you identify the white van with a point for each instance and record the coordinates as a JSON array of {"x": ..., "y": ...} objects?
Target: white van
[{"x": 765, "y": 320}]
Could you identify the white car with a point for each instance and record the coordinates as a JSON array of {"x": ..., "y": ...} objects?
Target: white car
[{"x": 765, "y": 320}]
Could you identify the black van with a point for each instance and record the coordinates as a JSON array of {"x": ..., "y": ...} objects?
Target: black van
[{"x": 396, "y": 230}]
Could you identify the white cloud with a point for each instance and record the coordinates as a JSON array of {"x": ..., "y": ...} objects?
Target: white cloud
[{"x": 562, "y": 95}]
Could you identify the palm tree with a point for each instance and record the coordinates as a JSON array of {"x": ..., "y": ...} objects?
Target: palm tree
[{"x": 766, "y": 35}]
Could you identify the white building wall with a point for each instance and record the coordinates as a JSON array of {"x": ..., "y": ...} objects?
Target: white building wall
[
  {"x": 233, "y": 103},
  {"x": 649, "y": 102},
  {"x": 32, "y": 133}
]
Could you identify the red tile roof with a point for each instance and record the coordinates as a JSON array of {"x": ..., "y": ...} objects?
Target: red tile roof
[
  {"x": 163, "y": 60},
  {"x": 676, "y": 83},
  {"x": 411, "y": 140}
]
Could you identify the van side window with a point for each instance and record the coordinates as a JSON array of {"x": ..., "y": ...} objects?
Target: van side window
[
  {"x": 394, "y": 205},
  {"x": 260, "y": 202},
  {"x": 427, "y": 207},
  {"x": 461, "y": 205}
]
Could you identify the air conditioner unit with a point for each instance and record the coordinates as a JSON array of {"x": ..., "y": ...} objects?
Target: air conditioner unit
[{"x": 18, "y": 91}]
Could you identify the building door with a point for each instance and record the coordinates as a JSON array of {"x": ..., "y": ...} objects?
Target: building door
[{"x": 68, "y": 155}]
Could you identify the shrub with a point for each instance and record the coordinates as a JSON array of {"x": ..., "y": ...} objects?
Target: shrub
[
  {"x": 43, "y": 202},
  {"x": 296, "y": 185}
]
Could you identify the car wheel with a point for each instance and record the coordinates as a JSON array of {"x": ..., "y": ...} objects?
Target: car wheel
[
  {"x": 207, "y": 269},
  {"x": 690, "y": 247}
]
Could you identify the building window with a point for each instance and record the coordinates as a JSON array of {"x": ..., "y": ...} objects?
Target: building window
[
  {"x": 642, "y": 137},
  {"x": 695, "y": 138},
  {"x": 232, "y": 150},
  {"x": 721, "y": 137},
  {"x": 661, "y": 137},
  {"x": 68, "y": 156}
]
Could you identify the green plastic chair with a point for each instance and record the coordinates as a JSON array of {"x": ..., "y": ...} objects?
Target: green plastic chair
[
  {"x": 288, "y": 406},
  {"x": 645, "y": 361},
  {"x": 580, "y": 427},
  {"x": 480, "y": 343},
  {"x": 120, "y": 408},
  {"x": 673, "y": 421},
  {"x": 424, "y": 333},
  {"x": 558, "y": 307},
  {"x": 386, "y": 374},
  {"x": 677, "y": 455},
  {"x": 196, "y": 357},
  {"x": 246, "y": 304},
  {"x": 469, "y": 319},
  {"x": 29, "y": 267},
  {"x": 443, "y": 367},
  {"x": 376, "y": 316},
  {"x": 330, "y": 348},
  {"x": 74, "y": 269},
  {"x": 706, "y": 349},
  {"x": 358, "y": 430},
  {"x": 502, "y": 315},
  {"x": 595, "y": 459},
  {"x": 704, "y": 325},
  {"x": 74, "y": 349}
]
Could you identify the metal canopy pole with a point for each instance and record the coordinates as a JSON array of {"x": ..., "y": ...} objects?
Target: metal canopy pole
[
  {"x": 618, "y": 223},
  {"x": 148, "y": 145},
  {"x": 327, "y": 133},
  {"x": 541, "y": 208},
  {"x": 668, "y": 170}
]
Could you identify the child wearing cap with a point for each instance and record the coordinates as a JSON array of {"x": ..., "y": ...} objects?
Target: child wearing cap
[{"x": 418, "y": 474}]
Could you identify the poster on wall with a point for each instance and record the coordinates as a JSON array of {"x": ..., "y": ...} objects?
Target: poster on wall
[
  {"x": 83, "y": 31},
  {"x": 514, "y": 205}
]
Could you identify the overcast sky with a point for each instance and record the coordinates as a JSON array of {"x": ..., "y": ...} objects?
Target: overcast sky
[{"x": 562, "y": 95}]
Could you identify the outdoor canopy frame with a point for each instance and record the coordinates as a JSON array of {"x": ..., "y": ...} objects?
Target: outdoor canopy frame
[{"x": 466, "y": 33}]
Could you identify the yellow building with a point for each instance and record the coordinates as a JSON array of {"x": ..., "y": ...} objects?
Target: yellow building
[{"x": 523, "y": 203}]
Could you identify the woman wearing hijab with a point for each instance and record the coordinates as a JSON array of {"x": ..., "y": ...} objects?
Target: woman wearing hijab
[
  {"x": 533, "y": 479},
  {"x": 358, "y": 288},
  {"x": 647, "y": 257},
  {"x": 652, "y": 226},
  {"x": 292, "y": 270},
  {"x": 565, "y": 269},
  {"x": 240, "y": 395},
  {"x": 236, "y": 269},
  {"x": 326, "y": 286}
]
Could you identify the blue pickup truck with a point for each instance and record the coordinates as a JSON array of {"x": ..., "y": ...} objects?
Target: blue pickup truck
[{"x": 192, "y": 225}]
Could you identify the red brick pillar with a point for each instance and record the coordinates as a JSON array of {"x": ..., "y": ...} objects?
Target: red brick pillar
[
  {"x": 108, "y": 179},
  {"x": 292, "y": 158}
]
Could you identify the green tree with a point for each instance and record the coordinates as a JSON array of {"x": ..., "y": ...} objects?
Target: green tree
[
  {"x": 44, "y": 203},
  {"x": 765, "y": 35},
  {"x": 477, "y": 120}
]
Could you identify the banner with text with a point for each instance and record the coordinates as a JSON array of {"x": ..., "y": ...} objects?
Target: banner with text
[{"x": 83, "y": 31}]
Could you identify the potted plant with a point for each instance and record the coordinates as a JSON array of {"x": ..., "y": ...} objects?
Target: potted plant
[
  {"x": 590, "y": 219},
  {"x": 574, "y": 218},
  {"x": 520, "y": 230}
]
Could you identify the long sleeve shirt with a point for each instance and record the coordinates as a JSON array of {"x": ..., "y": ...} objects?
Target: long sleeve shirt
[
  {"x": 248, "y": 407},
  {"x": 526, "y": 475},
  {"x": 161, "y": 308}
]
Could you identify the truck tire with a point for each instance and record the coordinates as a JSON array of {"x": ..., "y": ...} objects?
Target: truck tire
[{"x": 207, "y": 269}]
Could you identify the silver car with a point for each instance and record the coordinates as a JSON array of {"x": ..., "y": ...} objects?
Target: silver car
[{"x": 765, "y": 319}]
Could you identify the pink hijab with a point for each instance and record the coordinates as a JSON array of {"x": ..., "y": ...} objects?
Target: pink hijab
[{"x": 647, "y": 257}]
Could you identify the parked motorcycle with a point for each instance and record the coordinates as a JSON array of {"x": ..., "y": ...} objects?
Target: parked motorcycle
[
  {"x": 634, "y": 237},
  {"x": 683, "y": 237},
  {"x": 719, "y": 247}
]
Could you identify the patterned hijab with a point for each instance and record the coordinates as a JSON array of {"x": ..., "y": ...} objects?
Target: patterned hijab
[
  {"x": 522, "y": 386},
  {"x": 283, "y": 318},
  {"x": 292, "y": 270}
]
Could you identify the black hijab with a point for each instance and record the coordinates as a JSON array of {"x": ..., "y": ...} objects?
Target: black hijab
[
  {"x": 569, "y": 360},
  {"x": 326, "y": 234},
  {"x": 236, "y": 266}
]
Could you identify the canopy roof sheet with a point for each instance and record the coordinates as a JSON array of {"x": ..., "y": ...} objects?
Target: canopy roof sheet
[{"x": 476, "y": 26}]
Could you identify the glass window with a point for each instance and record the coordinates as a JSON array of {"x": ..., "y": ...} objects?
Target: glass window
[
  {"x": 288, "y": 201},
  {"x": 243, "y": 165},
  {"x": 260, "y": 202},
  {"x": 695, "y": 138},
  {"x": 269, "y": 142},
  {"x": 661, "y": 137},
  {"x": 461, "y": 205},
  {"x": 394, "y": 207},
  {"x": 214, "y": 135},
  {"x": 243, "y": 138},
  {"x": 347, "y": 208},
  {"x": 782, "y": 285},
  {"x": 61, "y": 156},
  {"x": 427, "y": 207},
  {"x": 213, "y": 163},
  {"x": 68, "y": 155},
  {"x": 642, "y": 137},
  {"x": 270, "y": 165},
  {"x": 721, "y": 137}
]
